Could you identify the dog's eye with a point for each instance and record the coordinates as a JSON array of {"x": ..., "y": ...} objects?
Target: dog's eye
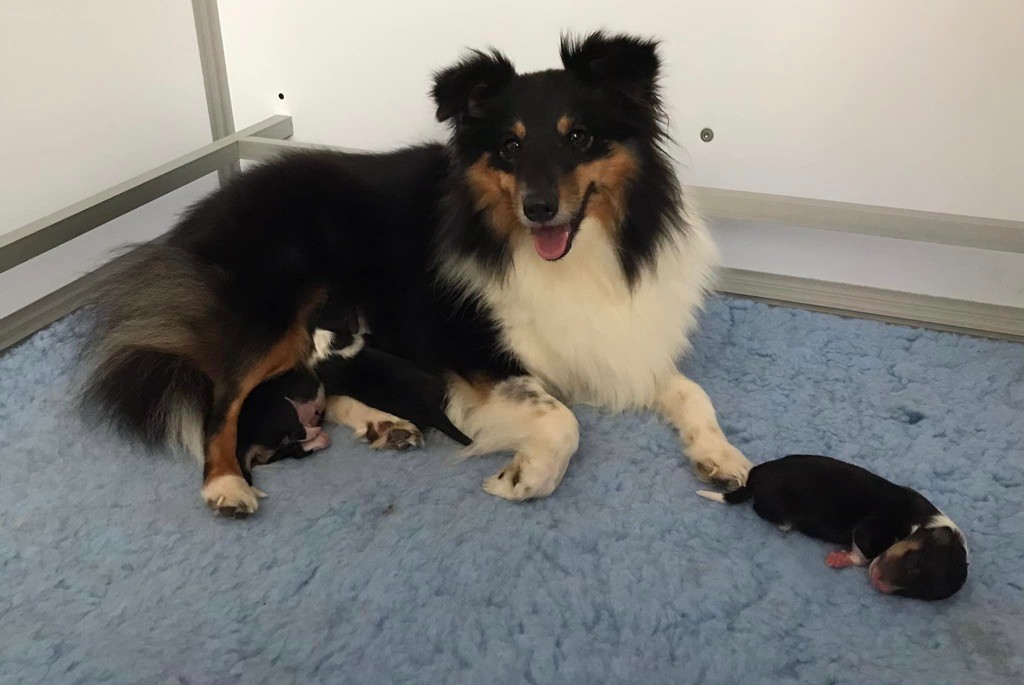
[
  {"x": 509, "y": 149},
  {"x": 580, "y": 138}
]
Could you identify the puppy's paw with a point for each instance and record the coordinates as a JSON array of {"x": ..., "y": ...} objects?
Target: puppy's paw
[
  {"x": 719, "y": 463},
  {"x": 321, "y": 440},
  {"x": 520, "y": 480},
  {"x": 230, "y": 496},
  {"x": 392, "y": 435},
  {"x": 839, "y": 559}
]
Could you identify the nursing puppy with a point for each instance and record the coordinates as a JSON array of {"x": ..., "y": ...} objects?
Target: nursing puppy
[
  {"x": 395, "y": 386},
  {"x": 913, "y": 549},
  {"x": 405, "y": 399},
  {"x": 281, "y": 419},
  {"x": 542, "y": 255}
]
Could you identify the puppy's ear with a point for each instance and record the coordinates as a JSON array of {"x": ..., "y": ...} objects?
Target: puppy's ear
[
  {"x": 461, "y": 89},
  {"x": 626, "y": 64}
]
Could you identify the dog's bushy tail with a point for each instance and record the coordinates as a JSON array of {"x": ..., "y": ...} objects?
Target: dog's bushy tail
[
  {"x": 741, "y": 494},
  {"x": 156, "y": 315}
]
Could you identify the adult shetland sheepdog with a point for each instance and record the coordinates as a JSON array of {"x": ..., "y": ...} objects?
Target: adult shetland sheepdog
[{"x": 544, "y": 252}]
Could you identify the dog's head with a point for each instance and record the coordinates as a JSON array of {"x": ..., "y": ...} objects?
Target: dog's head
[
  {"x": 542, "y": 151},
  {"x": 930, "y": 564}
]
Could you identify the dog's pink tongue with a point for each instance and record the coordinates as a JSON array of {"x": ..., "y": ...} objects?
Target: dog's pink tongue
[{"x": 551, "y": 242}]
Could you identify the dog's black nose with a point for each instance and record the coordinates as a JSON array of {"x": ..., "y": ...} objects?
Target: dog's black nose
[{"x": 540, "y": 207}]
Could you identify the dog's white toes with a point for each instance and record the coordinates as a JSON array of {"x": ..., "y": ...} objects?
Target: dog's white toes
[
  {"x": 230, "y": 496},
  {"x": 719, "y": 463},
  {"x": 521, "y": 480}
]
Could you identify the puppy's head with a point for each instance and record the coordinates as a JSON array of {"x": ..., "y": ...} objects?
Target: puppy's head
[
  {"x": 542, "y": 151},
  {"x": 930, "y": 564}
]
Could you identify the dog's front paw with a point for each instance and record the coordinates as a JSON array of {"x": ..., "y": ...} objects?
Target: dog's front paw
[
  {"x": 392, "y": 435},
  {"x": 231, "y": 496},
  {"x": 719, "y": 463},
  {"x": 521, "y": 479}
]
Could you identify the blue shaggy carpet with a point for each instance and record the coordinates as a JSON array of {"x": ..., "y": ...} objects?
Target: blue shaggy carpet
[{"x": 364, "y": 567}]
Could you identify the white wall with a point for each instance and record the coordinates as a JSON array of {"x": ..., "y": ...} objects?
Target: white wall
[
  {"x": 916, "y": 104},
  {"x": 939, "y": 270},
  {"x": 904, "y": 103},
  {"x": 36, "y": 278},
  {"x": 93, "y": 93}
]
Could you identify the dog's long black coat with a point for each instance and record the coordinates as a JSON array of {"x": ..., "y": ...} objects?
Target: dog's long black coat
[
  {"x": 361, "y": 223},
  {"x": 190, "y": 325}
]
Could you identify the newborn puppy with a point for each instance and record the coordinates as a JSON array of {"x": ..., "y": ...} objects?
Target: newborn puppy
[
  {"x": 345, "y": 360},
  {"x": 914, "y": 549},
  {"x": 393, "y": 385},
  {"x": 281, "y": 419}
]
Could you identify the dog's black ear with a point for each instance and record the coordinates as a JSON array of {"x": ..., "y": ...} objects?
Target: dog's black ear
[
  {"x": 460, "y": 89},
  {"x": 627, "y": 64}
]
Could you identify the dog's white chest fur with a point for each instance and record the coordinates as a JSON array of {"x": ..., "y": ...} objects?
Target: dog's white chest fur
[{"x": 576, "y": 325}]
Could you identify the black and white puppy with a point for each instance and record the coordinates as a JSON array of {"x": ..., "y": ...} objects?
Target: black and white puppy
[
  {"x": 281, "y": 419},
  {"x": 393, "y": 385},
  {"x": 348, "y": 365},
  {"x": 913, "y": 549}
]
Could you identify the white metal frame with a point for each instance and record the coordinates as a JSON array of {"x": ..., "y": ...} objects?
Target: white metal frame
[
  {"x": 31, "y": 240},
  {"x": 267, "y": 139},
  {"x": 34, "y": 239}
]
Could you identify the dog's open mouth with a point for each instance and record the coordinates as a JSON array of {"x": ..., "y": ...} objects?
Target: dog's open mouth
[{"x": 554, "y": 242}]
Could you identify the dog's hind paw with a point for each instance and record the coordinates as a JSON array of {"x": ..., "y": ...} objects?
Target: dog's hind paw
[{"x": 231, "y": 496}]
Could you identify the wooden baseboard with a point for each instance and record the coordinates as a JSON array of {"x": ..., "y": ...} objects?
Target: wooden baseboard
[{"x": 941, "y": 313}]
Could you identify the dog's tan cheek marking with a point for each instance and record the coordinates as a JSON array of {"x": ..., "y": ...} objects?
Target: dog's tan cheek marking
[
  {"x": 519, "y": 129},
  {"x": 494, "y": 193},
  {"x": 611, "y": 176}
]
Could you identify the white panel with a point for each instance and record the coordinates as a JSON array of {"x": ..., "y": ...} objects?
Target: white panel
[
  {"x": 909, "y": 103},
  {"x": 924, "y": 268},
  {"x": 26, "y": 283},
  {"x": 93, "y": 93}
]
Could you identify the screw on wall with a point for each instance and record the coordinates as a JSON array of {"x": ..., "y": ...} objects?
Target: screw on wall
[
  {"x": 280, "y": 96},
  {"x": 707, "y": 135}
]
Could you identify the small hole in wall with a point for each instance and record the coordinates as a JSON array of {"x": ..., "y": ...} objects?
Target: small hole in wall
[{"x": 280, "y": 96}]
